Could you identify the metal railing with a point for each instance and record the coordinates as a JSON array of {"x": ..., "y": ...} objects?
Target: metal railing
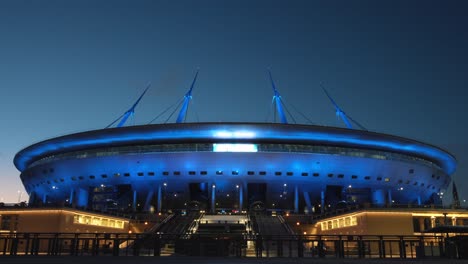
[{"x": 232, "y": 245}]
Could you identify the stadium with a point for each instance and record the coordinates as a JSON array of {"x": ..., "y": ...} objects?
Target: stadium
[
  {"x": 234, "y": 189},
  {"x": 232, "y": 167}
]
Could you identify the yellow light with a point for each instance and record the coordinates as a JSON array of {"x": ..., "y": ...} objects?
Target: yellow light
[
  {"x": 305, "y": 233},
  {"x": 146, "y": 223},
  {"x": 298, "y": 223}
]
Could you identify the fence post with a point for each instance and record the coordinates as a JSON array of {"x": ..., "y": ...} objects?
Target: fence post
[
  {"x": 361, "y": 249},
  {"x": 381, "y": 247},
  {"x": 402, "y": 248},
  {"x": 156, "y": 245},
  {"x": 300, "y": 247},
  {"x": 115, "y": 244}
]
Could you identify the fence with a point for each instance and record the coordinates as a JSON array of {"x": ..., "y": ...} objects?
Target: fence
[{"x": 306, "y": 246}]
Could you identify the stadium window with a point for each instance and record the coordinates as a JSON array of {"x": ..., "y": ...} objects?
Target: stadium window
[
  {"x": 411, "y": 171},
  {"x": 203, "y": 173},
  {"x": 219, "y": 172},
  {"x": 62, "y": 180},
  {"x": 379, "y": 178},
  {"x": 387, "y": 179},
  {"x": 235, "y": 173},
  {"x": 56, "y": 181},
  {"x": 400, "y": 181},
  {"x": 438, "y": 177},
  {"x": 104, "y": 176},
  {"x": 151, "y": 173},
  {"x": 340, "y": 176},
  {"x": 250, "y": 173},
  {"x": 116, "y": 174},
  {"x": 304, "y": 174},
  {"x": 289, "y": 173},
  {"x": 177, "y": 173},
  {"x": 367, "y": 178},
  {"x": 422, "y": 184},
  {"x": 354, "y": 177},
  {"x": 81, "y": 177},
  {"x": 165, "y": 173},
  {"x": 278, "y": 173},
  {"x": 407, "y": 182},
  {"x": 316, "y": 174},
  {"x": 191, "y": 172},
  {"x": 330, "y": 175},
  {"x": 415, "y": 183},
  {"x": 92, "y": 176},
  {"x": 263, "y": 173},
  {"x": 73, "y": 178},
  {"x": 140, "y": 174},
  {"x": 126, "y": 174}
]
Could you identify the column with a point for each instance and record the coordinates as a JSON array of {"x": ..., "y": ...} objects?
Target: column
[
  {"x": 308, "y": 203},
  {"x": 32, "y": 198},
  {"x": 390, "y": 197},
  {"x": 159, "y": 208},
  {"x": 72, "y": 198},
  {"x": 213, "y": 198},
  {"x": 419, "y": 199},
  {"x": 322, "y": 202},
  {"x": 148, "y": 200},
  {"x": 83, "y": 196},
  {"x": 241, "y": 197},
  {"x": 378, "y": 197},
  {"x": 134, "y": 203},
  {"x": 296, "y": 200}
]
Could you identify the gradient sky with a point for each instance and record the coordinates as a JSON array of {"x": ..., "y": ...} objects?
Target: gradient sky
[{"x": 398, "y": 67}]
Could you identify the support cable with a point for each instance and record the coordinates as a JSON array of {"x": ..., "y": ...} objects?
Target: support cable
[
  {"x": 299, "y": 112},
  {"x": 175, "y": 109},
  {"x": 167, "y": 109},
  {"x": 287, "y": 111}
]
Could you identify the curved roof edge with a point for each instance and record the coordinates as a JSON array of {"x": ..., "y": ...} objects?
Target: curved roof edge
[{"x": 233, "y": 132}]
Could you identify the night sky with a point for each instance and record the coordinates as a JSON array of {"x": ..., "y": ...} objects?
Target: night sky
[{"x": 398, "y": 67}]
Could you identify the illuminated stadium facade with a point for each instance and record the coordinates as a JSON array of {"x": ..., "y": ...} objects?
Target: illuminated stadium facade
[{"x": 232, "y": 167}]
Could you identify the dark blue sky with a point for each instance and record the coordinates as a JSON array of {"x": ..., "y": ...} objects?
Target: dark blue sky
[{"x": 398, "y": 67}]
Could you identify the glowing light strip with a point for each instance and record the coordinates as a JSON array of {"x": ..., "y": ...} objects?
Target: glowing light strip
[
  {"x": 180, "y": 133},
  {"x": 234, "y": 147}
]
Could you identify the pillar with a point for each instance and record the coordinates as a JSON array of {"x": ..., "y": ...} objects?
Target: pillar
[
  {"x": 213, "y": 198},
  {"x": 308, "y": 203},
  {"x": 159, "y": 206},
  {"x": 71, "y": 199},
  {"x": 134, "y": 203},
  {"x": 241, "y": 197},
  {"x": 322, "y": 202},
  {"x": 296, "y": 200},
  {"x": 32, "y": 198},
  {"x": 378, "y": 197},
  {"x": 419, "y": 199},
  {"x": 389, "y": 193},
  {"x": 148, "y": 200},
  {"x": 82, "y": 200}
]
